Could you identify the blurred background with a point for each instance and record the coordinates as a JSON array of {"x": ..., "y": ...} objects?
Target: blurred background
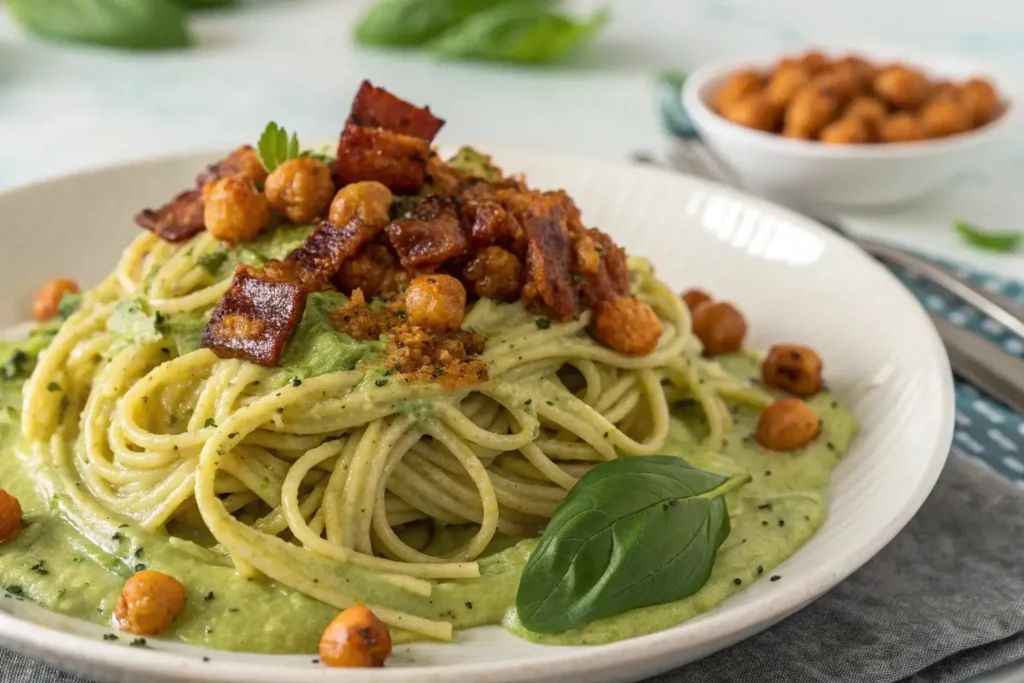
[{"x": 580, "y": 82}]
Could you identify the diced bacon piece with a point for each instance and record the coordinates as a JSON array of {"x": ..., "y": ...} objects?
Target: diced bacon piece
[
  {"x": 326, "y": 247},
  {"x": 244, "y": 160},
  {"x": 257, "y": 315},
  {"x": 610, "y": 280},
  {"x": 431, "y": 236},
  {"x": 549, "y": 257},
  {"x": 489, "y": 223},
  {"x": 377, "y": 108},
  {"x": 395, "y": 160},
  {"x": 177, "y": 220}
]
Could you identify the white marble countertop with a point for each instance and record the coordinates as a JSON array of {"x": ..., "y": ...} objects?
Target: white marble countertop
[{"x": 64, "y": 107}]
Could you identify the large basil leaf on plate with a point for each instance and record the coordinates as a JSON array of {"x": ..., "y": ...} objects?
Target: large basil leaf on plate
[
  {"x": 633, "y": 532},
  {"x": 136, "y": 24}
]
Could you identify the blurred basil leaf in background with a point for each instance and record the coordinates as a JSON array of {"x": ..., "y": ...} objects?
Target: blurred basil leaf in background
[
  {"x": 414, "y": 22},
  {"x": 204, "y": 4},
  {"x": 520, "y": 32},
  {"x": 132, "y": 24}
]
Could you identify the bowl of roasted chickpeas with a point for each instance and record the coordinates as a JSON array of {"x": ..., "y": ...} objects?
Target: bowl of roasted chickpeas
[{"x": 844, "y": 128}]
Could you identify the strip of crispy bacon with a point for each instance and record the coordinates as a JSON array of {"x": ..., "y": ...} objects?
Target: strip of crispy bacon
[
  {"x": 176, "y": 221},
  {"x": 431, "y": 236},
  {"x": 257, "y": 315},
  {"x": 549, "y": 256},
  {"x": 377, "y": 108},
  {"x": 229, "y": 165},
  {"x": 395, "y": 160}
]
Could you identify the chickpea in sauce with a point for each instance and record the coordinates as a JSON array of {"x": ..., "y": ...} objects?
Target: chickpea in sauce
[
  {"x": 355, "y": 638},
  {"x": 10, "y": 516},
  {"x": 301, "y": 189},
  {"x": 47, "y": 300},
  {"x": 786, "y": 425},
  {"x": 720, "y": 327},
  {"x": 234, "y": 211},
  {"x": 149, "y": 603},
  {"x": 850, "y": 101}
]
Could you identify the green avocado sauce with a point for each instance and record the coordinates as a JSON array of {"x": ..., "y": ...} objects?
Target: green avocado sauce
[{"x": 53, "y": 564}]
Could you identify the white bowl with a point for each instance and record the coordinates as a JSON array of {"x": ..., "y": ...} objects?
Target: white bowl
[
  {"x": 810, "y": 174},
  {"x": 789, "y": 275}
]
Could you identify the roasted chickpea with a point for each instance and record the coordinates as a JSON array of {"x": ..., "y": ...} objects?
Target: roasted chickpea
[
  {"x": 368, "y": 201},
  {"x": 787, "y": 424},
  {"x": 301, "y": 189},
  {"x": 981, "y": 100},
  {"x": 695, "y": 297},
  {"x": 785, "y": 83},
  {"x": 809, "y": 112},
  {"x": 870, "y": 110},
  {"x": 846, "y": 131},
  {"x": 839, "y": 84},
  {"x": 10, "y": 516},
  {"x": 753, "y": 111},
  {"x": 945, "y": 91},
  {"x": 495, "y": 274},
  {"x": 942, "y": 119},
  {"x": 47, "y": 299},
  {"x": 235, "y": 211},
  {"x": 355, "y": 638},
  {"x": 149, "y": 603},
  {"x": 902, "y": 86},
  {"x": 792, "y": 368},
  {"x": 738, "y": 86},
  {"x": 814, "y": 61},
  {"x": 435, "y": 301},
  {"x": 862, "y": 71},
  {"x": 901, "y": 127},
  {"x": 720, "y": 327},
  {"x": 626, "y": 325},
  {"x": 374, "y": 270}
]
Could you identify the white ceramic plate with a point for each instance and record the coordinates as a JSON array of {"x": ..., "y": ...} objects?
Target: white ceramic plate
[{"x": 794, "y": 281}]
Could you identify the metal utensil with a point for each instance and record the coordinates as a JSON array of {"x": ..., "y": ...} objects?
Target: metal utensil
[{"x": 984, "y": 365}]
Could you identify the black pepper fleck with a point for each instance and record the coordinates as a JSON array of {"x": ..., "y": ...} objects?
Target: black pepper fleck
[
  {"x": 209, "y": 596},
  {"x": 760, "y": 569},
  {"x": 776, "y": 577},
  {"x": 738, "y": 581}
]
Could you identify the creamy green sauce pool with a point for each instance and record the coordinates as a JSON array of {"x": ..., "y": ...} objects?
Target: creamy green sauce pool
[{"x": 53, "y": 564}]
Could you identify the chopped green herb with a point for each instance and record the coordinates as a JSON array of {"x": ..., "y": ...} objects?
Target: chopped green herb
[
  {"x": 232, "y": 435},
  {"x": 53, "y": 386},
  {"x": 543, "y": 323},
  {"x": 989, "y": 241},
  {"x": 212, "y": 261},
  {"x": 139, "y": 551},
  {"x": 381, "y": 382},
  {"x": 109, "y": 636},
  {"x": 138, "y": 642},
  {"x": 117, "y": 536},
  {"x": 139, "y": 567},
  {"x": 40, "y": 568},
  {"x": 209, "y": 596},
  {"x": 296, "y": 382},
  {"x": 276, "y": 147},
  {"x": 15, "y": 590},
  {"x": 210, "y": 422},
  {"x": 78, "y": 559}
]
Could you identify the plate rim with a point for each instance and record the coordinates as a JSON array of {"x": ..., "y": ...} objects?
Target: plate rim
[{"x": 52, "y": 645}]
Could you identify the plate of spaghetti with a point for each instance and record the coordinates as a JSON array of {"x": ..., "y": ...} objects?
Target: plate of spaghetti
[{"x": 383, "y": 410}]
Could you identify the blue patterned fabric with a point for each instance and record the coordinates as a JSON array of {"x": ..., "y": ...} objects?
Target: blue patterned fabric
[{"x": 985, "y": 429}]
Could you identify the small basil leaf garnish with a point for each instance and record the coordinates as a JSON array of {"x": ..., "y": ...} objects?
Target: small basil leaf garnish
[
  {"x": 139, "y": 24},
  {"x": 633, "y": 532}
]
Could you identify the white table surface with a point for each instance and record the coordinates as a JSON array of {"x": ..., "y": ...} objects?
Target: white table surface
[{"x": 64, "y": 108}]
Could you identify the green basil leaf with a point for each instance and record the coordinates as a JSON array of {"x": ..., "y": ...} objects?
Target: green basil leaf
[
  {"x": 633, "y": 532},
  {"x": 134, "y": 24},
  {"x": 521, "y": 32},
  {"x": 414, "y": 22},
  {"x": 990, "y": 241}
]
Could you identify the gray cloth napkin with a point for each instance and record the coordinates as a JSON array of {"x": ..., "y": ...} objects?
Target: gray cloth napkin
[{"x": 942, "y": 602}]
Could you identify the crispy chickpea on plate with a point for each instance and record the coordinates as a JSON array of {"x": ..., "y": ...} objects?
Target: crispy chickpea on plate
[{"x": 846, "y": 127}]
